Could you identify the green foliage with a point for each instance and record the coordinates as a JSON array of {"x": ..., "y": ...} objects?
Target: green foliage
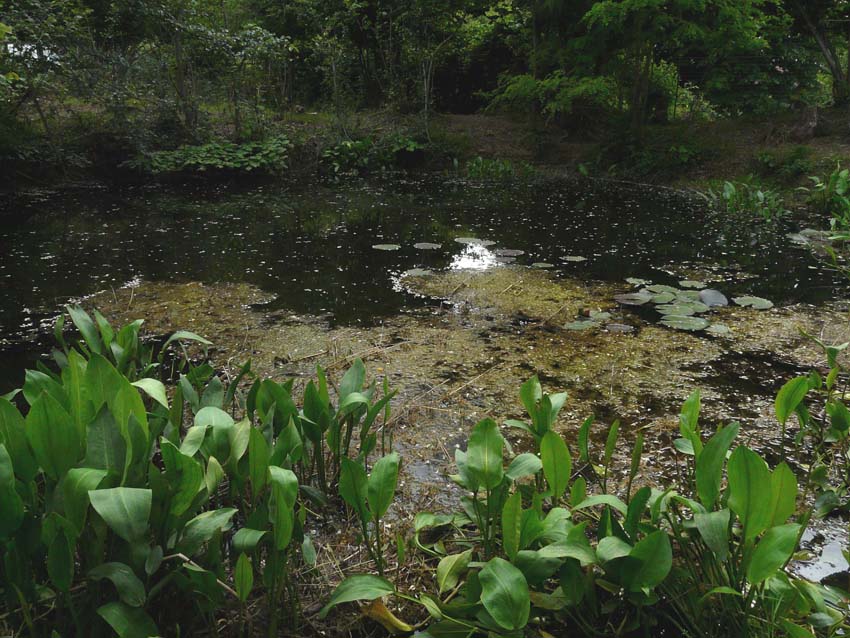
[
  {"x": 744, "y": 198},
  {"x": 101, "y": 481},
  {"x": 370, "y": 155},
  {"x": 557, "y": 96},
  {"x": 785, "y": 165},
  {"x": 598, "y": 565},
  {"x": 831, "y": 196},
  {"x": 270, "y": 156}
]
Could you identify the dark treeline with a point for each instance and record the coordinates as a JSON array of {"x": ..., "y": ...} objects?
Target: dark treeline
[{"x": 157, "y": 73}]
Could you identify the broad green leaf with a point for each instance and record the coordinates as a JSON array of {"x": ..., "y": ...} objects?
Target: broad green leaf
[
  {"x": 790, "y": 396},
  {"x": 634, "y": 515},
  {"x": 714, "y": 529},
  {"x": 73, "y": 378},
  {"x": 193, "y": 440},
  {"x": 37, "y": 383},
  {"x": 353, "y": 486},
  {"x": 76, "y": 486},
  {"x": 772, "y": 552},
  {"x": 185, "y": 335},
  {"x": 575, "y": 548},
  {"x": 360, "y": 587},
  {"x": 656, "y": 557},
  {"x": 154, "y": 389},
  {"x": 382, "y": 484},
  {"x": 709, "y": 465},
  {"x": 126, "y": 510},
  {"x": 106, "y": 448},
  {"x": 505, "y": 595},
  {"x": 451, "y": 568},
  {"x": 352, "y": 380},
  {"x": 611, "y": 548},
  {"x": 749, "y": 491},
  {"x": 200, "y": 529},
  {"x": 86, "y": 327},
  {"x": 484, "y": 454},
  {"x": 243, "y": 577},
  {"x": 11, "y": 505},
  {"x": 258, "y": 460},
  {"x": 530, "y": 393},
  {"x": 128, "y": 622},
  {"x": 13, "y": 436},
  {"x": 213, "y": 475},
  {"x": 284, "y": 488},
  {"x": 130, "y": 589},
  {"x": 246, "y": 540},
  {"x": 512, "y": 524},
  {"x": 783, "y": 487},
  {"x": 185, "y": 477},
  {"x": 53, "y": 437},
  {"x": 60, "y": 560},
  {"x": 524, "y": 465},
  {"x": 557, "y": 463},
  {"x": 536, "y": 568},
  {"x": 603, "y": 499}
]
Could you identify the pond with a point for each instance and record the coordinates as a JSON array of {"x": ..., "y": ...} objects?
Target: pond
[{"x": 456, "y": 291}]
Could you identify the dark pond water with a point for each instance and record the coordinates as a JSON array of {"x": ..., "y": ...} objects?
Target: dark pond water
[{"x": 313, "y": 246}]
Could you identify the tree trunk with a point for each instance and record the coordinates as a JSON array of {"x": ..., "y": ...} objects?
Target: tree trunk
[{"x": 840, "y": 80}]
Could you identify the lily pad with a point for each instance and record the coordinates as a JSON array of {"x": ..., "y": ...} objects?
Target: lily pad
[
  {"x": 386, "y": 246},
  {"x": 474, "y": 240},
  {"x": 636, "y": 281},
  {"x": 664, "y": 297},
  {"x": 599, "y": 316},
  {"x": 575, "y": 258},
  {"x": 508, "y": 252},
  {"x": 683, "y": 308},
  {"x": 581, "y": 325},
  {"x": 424, "y": 245},
  {"x": 687, "y": 296},
  {"x": 659, "y": 288},
  {"x": 542, "y": 264},
  {"x": 688, "y": 323},
  {"x": 633, "y": 298},
  {"x": 690, "y": 283},
  {"x": 417, "y": 272},
  {"x": 713, "y": 298},
  {"x": 719, "y": 330},
  {"x": 505, "y": 260},
  {"x": 757, "y": 303}
]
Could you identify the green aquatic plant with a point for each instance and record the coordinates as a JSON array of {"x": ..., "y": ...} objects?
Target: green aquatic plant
[
  {"x": 704, "y": 558},
  {"x": 370, "y": 497},
  {"x": 746, "y": 198},
  {"x": 830, "y": 196},
  {"x": 101, "y": 481},
  {"x": 270, "y": 156}
]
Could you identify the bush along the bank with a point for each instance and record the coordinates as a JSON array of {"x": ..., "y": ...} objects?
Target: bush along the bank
[
  {"x": 533, "y": 548},
  {"x": 131, "y": 512},
  {"x": 269, "y": 156}
]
